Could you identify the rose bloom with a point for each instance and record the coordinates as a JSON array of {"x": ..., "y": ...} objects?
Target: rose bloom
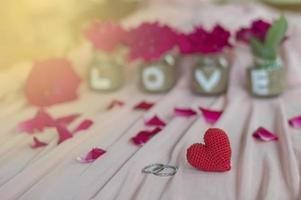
[
  {"x": 150, "y": 41},
  {"x": 105, "y": 36},
  {"x": 204, "y": 42},
  {"x": 258, "y": 29},
  {"x": 51, "y": 82}
]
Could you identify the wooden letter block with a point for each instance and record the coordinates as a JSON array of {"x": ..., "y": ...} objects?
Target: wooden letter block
[
  {"x": 105, "y": 75},
  {"x": 210, "y": 80},
  {"x": 267, "y": 82},
  {"x": 156, "y": 77}
]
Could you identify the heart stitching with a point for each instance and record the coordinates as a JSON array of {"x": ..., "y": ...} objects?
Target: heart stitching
[{"x": 214, "y": 155}]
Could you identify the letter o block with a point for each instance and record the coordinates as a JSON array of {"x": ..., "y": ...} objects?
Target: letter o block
[{"x": 157, "y": 77}]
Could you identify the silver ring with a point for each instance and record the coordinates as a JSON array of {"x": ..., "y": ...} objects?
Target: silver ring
[
  {"x": 153, "y": 168},
  {"x": 167, "y": 170},
  {"x": 160, "y": 170}
]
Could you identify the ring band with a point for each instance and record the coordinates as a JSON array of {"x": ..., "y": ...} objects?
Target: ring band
[
  {"x": 153, "y": 168},
  {"x": 171, "y": 172},
  {"x": 160, "y": 170}
]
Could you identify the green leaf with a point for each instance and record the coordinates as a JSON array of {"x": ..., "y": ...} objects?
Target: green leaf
[
  {"x": 257, "y": 47},
  {"x": 276, "y": 34}
]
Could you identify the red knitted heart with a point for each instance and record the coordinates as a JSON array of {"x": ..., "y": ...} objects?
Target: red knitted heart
[{"x": 214, "y": 155}]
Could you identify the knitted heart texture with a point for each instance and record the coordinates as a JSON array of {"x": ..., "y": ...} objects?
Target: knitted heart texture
[{"x": 214, "y": 155}]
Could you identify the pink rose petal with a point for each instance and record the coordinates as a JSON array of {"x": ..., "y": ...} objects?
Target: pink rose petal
[
  {"x": 155, "y": 131},
  {"x": 37, "y": 143},
  {"x": 211, "y": 116},
  {"x": 43, "y": 120},
  {"x": 144, "y": 136},
  {"x": 92, "y": 155},
  {"x": 140, "y": 140},
  {"x": 155, "y": 121},
  {"x": 115, "y": 103},
  {"x": 149, "y": 133},
  {"x": 184, "y": 112},
  {"x": 63, "y": 132},
  {"x": 38, "y": 123},
  {"x": 264, "y": 135},
  {"x": 66, "y": 120},
  {"x": 295, "y": 122},
  {"x": 84, "y": 125},
  {"x": 144, "y": 105}
]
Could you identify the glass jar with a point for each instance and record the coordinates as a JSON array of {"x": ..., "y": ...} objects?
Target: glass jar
[
  {"x": 159, "y": 76},
  {"x": 210, "y": 75},
  {"x": 106, "y": 72},
  {"x": 267, "y": 77}
]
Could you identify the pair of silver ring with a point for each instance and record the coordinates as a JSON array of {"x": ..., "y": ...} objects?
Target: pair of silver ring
[{"x": 160, "y": 170}]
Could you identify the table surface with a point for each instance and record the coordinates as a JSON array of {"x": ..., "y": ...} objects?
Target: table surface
[{"x": 259, "y": 170}]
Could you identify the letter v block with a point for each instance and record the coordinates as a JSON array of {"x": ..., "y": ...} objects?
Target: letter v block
[{"x": 209, "y": 80}]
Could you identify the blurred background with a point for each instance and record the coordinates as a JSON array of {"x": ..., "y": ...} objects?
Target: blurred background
[{"x": 38, "y": 29}]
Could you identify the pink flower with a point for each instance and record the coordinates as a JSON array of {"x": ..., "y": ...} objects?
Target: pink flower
[
  {"x": 258, "y": 29},
  {"x": 51, "y": 82},
  {"x": 105, "y": 36},
  {"x": 204, "y": 42},
  {"x": 150, "y": 41}
]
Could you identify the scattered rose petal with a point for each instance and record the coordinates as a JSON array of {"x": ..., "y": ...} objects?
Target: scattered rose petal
[
  {"x": 38, "y": 123},
  {"x": 295, "y": 122},
  {"x": 115, "y": 103},
  {"x": 51, "y": 82},
  {"x": 264, "y": 135},
  {"x": 155, "y": 131},
  {"x": 43, "y": 120},
  {"x": 92, "y": 155},
  {"x": 211, "y": 116},
  {"x": 155, "y": 121},
  {"x": 140, "y": 140},
  {"x": 64, "y": 133},
  {"x": 37, "y": 143},
  {"x": 84, "y": 125},
  {"x": 67, "y": 119},
  {"x": 144, "y": 105},
  {"x": 143, "y": 136},
  {"x": 184, "y": 112}
]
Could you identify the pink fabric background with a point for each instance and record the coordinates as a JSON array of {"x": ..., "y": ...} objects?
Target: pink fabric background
[{"x": 259, "y": 170}]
